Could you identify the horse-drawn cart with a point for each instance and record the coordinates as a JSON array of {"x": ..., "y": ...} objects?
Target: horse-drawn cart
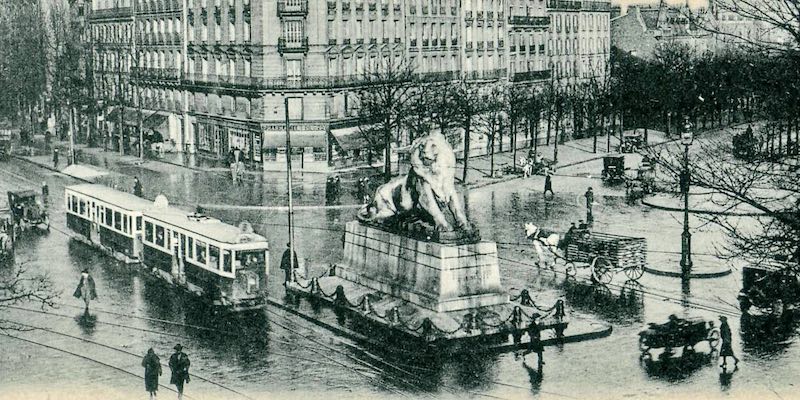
[
  {"x": 27, "y": 211},
  {"x": 604, "y": 254},
  {"x": 678, "y": 332}
]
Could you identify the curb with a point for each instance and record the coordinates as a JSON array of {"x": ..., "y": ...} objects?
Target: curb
[
  {"x": 350, "y": 334},
  {"x": 702, "y": 212},
  {"x": 45, "y": 166},
  {"x": 697, "y": 275}
]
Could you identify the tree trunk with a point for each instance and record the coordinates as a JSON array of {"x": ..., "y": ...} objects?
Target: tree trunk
[
  {"x": 594, "y": 134},
  {"x": 491, "y": 150},
  {"x": 535, "y": 137},
  {"x": 549, "y": 122},
  {"x": 387, "y": 162},
  {"x": 557, "y": 138},
  {"x": 514, "y": 143},
  {"x": 467, "y": 127}
]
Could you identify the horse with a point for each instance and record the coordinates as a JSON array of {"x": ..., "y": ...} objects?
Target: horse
[
  {"x": 527, "y": 167},
  {"x": 542, "y": 239}
]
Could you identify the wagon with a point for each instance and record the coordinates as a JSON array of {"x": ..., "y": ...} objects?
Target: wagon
[
  {"x": 27, "y": 211},
  {"x": 678, "y": 332},
  {"x": 606, "y": 254}
]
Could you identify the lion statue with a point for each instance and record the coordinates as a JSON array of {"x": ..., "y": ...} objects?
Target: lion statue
[{"x": 428, "y": 189}]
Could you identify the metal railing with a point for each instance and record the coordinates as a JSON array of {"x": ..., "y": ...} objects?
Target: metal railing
[
  {"x": 293, "y": 7},
  {"x": 527, "y": 20},
  {"x": 293, "y": 46},
  {"x": 531, "y": 76}
]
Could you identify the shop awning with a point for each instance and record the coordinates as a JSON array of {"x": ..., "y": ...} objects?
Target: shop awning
[
  {"x": 130, "y": 118},
  {"x": 154, "y": 121},
  {"x": 351, "y": 138},
  {"x": 275, "y": 139}
]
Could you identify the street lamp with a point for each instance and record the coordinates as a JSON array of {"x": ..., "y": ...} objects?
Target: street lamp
[{"x": 686, "y": 237}]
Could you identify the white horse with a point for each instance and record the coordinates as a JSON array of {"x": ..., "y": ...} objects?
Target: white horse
[
  {"x": 526, "y": 166},
  {"x": 542, "y": 238}
]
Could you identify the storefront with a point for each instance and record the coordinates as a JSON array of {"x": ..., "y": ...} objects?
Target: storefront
[{"x": 309, "y": 150}]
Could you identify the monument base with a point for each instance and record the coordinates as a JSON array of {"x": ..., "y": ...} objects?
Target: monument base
[{"x": 438, "y": 277}]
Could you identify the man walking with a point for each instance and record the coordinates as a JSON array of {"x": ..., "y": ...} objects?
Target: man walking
[
  {"x": 535, "y": 337},
  {"x": 152, "y": 369},
  {"x": 589, "y": 201},
  {"x": 288, "y": 265},
  {"x": 548, "y": 183},
  {"x": 179, "y": 365},
  {"x": 726, "y": 349},
  {"x": 86, "y": 289}
]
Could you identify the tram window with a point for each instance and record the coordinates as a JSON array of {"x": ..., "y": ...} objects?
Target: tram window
[
  {"x": 117, "y": 220},
  {"x": 109, "y": 213},
  {"x": 247, "y": 259},
  {"x": 74, "y": 204},
  {"x": 160, "y": 236},
  {"x": 201, "y": 252},
  {"x": 82, "y": 207},
  {"x": 213, "y": 256},
  {"x": 125, "y": 224},
  {"x": 226, "y": 261},
  {"x": 148, "y": 232},
  {"x": 139, "y": 223},
  {"x": 190, "y": 247}
]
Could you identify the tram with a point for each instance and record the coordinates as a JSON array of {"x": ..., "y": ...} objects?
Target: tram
[{"x": 226, "y": 265}]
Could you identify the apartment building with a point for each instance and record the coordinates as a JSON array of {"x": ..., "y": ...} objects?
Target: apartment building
[
  {"x": 579, "y": 39},
  {"x": 213, "y": 75}
]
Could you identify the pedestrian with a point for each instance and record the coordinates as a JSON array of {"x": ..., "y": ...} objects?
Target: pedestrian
[
  {"x": 337, "y": 188},
  {"x": 589, "y": 201},
  {"x": 152, "y": 370},
  {"x": 55, "y": 158},
  {"x": 329, "y": 191},
  {"x": 548, "y": 183},
  {"x": 179, "y": 365},
  {"x": 137, "y": 187},
  {"x": 568, "y": 236},
  {"x": 45, "y": 191},
  {"x": 288, "y": 265},
  {"x": 726, "y": 348},
  {"x": 535, "y": 340},
  {"x": 86, "y": 289}
]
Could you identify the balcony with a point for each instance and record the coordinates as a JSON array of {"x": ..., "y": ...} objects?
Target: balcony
[
  {"x": 425, "y": 42},
  {"x": 454, "y": 41},
  {"x": 531, "y": 21},
  {"x": 443, "y": 76},
  {"x": 435, "y": 42},
  {"x": 424, "y": 10},
  {"x": 162, "y": 74},
  {"x": 501, "y": 43},
  {"x": 412, "y": 10},
  {"x": 564, "y": 4},
  {"x": 490, "y": 74},
  {"x": 111, "y": 13},
  {"x": 468, "y": 46},
  {"x": 292, "y": 46},
  {"x": 596, "y": 6},
  {"x": 346, "y": 41},
  {"x": 373, "y": 40},
  {"x": 531, "y": 76},
  {"x": 331, "y": 7},
  {"x": 480, "y": 45},
  {"x": 331, "y": 42}
]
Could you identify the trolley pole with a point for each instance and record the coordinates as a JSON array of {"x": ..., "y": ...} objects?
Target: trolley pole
[
  {"x": 686, "y": 236},
  {"x": 289, "y": 190}
]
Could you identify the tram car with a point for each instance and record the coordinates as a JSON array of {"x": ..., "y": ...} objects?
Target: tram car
[{"x": 226, "y": 265}]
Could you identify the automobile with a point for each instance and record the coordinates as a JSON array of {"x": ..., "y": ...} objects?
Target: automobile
[
  {"x": 613, "y": 168},
  {"x": 632, "y": 141},
  {"x": 27, "y": 211}
]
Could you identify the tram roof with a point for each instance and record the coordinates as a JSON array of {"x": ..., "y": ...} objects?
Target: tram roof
[
  {"x": 126, "y": 201},
  {"x": 210, "y": 228}
]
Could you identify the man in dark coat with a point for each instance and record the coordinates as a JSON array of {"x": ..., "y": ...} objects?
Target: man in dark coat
[
  {"x": 726, "y": 349},
  {"x": 55, "y": 158},
  {"x": 152, "y": 370},
  {"x": 86, "y": 289},
  {"x": 535, "y": 343},
  {"x": 286, "y": 265},
  {"x": 179, "y": 365},
  {"x": 589, "y": 201},
  {"x": 138, "y": 191},
  {"x": 548, "y": 183}
]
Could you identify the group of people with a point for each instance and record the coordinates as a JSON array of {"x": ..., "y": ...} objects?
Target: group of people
[
  {"x": 333, "y": 189},
  {"x": 574, "y": 231},
  {"x": 363, "y": 191},
  {"x": 178, "y": 364}
]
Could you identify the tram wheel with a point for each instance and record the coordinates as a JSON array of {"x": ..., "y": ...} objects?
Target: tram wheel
[{"x": 634, "y": 273}]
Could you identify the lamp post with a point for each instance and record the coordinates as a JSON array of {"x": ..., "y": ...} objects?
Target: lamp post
[{"x": 686, "y": 237}]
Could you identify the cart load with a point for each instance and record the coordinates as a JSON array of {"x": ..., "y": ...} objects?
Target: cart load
[
  {"x": 608, "y": 252},
  {"x": 677, "y": 333}
]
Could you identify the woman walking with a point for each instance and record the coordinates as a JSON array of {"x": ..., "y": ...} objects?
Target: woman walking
[
  {"x": 85, "y": 289},
  {"x": 152, "y": 369}
]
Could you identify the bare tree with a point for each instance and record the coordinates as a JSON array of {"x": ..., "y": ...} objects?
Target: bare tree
[
  {"x": 20, "y": 286},
  {"x": 490, "y": 120},
  {"x": 467, "y": 106},
  {"x": 385, "y": 97}
]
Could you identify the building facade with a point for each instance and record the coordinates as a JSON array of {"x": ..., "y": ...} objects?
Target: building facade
[
  {"x": 214, "y": 75},
  {"x": 580, "y": 39}
]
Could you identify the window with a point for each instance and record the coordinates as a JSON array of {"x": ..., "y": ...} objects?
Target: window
[
  {"x": 204, "y": 33},
  {"x": 200, "y": 249},
  {"x": 246, "y": 31},
  {"x": 125, "y": 224},
  {"x": 293, "y": 31},
  {"x": 138, "y": 223},
  {"x": 295, "y": 108},
  {"x": 226, "y": 261},
  {"x": 190, "y": 247},
  {"x": 231, "y": 67},
  {"x": 231, "y": 32},
  {"x": 117, "y": 220},
  {"x": 109, "y": 217},
  {"x": 294, "y": 70},
  {"x": 247, "y": 68},
  {"x": 148, "y": 232},
  {"x": 160, "y": 241},
  {"x": 190, "y": 31},
  {"x": 213, "y": 256},
  {"x": 217, "y": 33}
]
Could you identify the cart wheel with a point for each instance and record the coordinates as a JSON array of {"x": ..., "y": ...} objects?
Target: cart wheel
[
  {"x": 634, "y": 273},
  {"x": 713, "y": 338},
  {"x": 570, "y": 269},
  {"x": 601, "y": 270}
]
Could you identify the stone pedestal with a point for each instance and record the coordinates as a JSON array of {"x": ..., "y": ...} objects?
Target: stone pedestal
[{"x": 435, "y": 276}]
